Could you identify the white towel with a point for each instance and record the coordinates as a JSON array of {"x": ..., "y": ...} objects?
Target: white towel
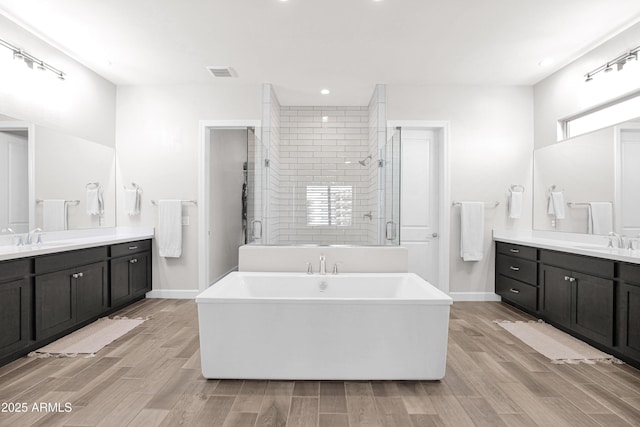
[
  {"x": 600, "y": 218},
  {"x": 471, "y": 231},
  {"x": 54, "y": 215},
  {"x": 515, "y": 204},
  {"x": 170, "y": 228},
  {"x": 95, "y": 205},
  {"x": 556, "y": 204},
  {"x": 132, "y": 201}
]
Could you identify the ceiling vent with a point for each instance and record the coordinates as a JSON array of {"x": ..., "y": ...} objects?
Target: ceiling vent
[{"x": 221, "y": 71}]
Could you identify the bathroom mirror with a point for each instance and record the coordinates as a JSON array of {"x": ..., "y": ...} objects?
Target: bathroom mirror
[
  {"x": 600, "y": 166},
  {"x": 63, "y": 166}
]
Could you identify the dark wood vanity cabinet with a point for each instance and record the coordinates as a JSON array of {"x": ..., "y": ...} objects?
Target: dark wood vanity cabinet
[
  {"x": 47, "y": 296},
  {"x": 629, "y": 310},
  {"x": 595, "y": 299},
  {"x": 516, "y": 275},
  {"x": 69, "y": 291},
  {"x": 130, "y": 271},
  {"x": 15, "y": 306}
]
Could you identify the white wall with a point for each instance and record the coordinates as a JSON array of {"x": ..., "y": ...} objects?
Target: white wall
[
  {"x": 83, "y": 105},
  {"x": 227, "y": 156},
  {"x": 157, "y": 148},
  {"x": 491, "y": 144},
  {"x": 565, "y": 93}
]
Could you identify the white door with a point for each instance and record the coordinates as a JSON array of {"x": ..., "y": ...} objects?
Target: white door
[
  {"x": 14, "y": 186},
  {"x": 419, "y": 201}
]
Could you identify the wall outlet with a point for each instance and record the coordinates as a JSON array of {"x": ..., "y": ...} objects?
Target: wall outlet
[{"x": 185, "y": 220}]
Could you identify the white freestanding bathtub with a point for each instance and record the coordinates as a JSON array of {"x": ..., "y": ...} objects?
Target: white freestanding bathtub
[{"x": 383, "y": 326}]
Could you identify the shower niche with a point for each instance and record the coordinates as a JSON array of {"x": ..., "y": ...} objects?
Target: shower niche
[{"x": 323, "y": 175}]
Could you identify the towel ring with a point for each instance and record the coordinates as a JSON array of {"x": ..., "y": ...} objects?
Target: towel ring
[
  {"x": 93, "y": 184},
  {"x": 516, "y": 188}
]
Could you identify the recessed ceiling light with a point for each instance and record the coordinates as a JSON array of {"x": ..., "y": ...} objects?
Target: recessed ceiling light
[
  {"x": 545, "y": 62},
  {"x": 325, "y": 119},
  {"x": 325, "y": 91}
]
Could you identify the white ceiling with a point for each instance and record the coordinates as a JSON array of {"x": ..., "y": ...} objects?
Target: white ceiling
[{"x": 301, "y": 46}]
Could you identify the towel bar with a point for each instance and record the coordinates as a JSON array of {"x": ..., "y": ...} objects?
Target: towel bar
[
  {"x": 491, "y": 204},
  {"x": 68, "y": 202},
  {"x": 195, "y": 202},
  {"x": 574, "y": 204}
]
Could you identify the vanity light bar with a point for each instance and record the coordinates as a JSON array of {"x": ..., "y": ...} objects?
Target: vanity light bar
[
  {"x": 618, "y": 62},
  {"x": 31, "y": 60}
]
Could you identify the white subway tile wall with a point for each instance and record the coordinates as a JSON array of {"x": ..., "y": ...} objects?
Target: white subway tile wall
[{"x": 315, "y": 169}]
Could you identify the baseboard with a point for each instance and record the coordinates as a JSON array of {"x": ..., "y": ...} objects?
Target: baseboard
[
  {"x": 475, "y": 296},
  {"x": 173, "y": 293}
]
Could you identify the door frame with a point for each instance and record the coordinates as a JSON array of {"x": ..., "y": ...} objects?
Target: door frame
[
  {"x": 444, "y": 188},
  {"x": 31, "y": 162},
  {"x": 204, "y": 175}
]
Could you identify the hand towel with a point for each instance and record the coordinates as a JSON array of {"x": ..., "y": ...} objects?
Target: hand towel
[
  {"x": 600, "y": 218},
  {"x": 556, "y": 204},
  {"x": 95, "y": 205},
  {"x": 170, "y": 228},
  {"x": 132, "y": 201},
  {"x": 54, "y": 215},
  {"x": 515, "y": 204},
  {"x": 471, "y": 230}
]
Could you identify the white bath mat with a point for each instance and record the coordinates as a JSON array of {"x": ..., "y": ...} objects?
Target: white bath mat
[
  {"x": 90, "y": 339},
  {"x": 555, "y": 344}
]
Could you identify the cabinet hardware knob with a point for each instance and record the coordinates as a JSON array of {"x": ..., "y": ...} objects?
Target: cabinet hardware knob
[
  {"x": 133, "y": 261},
  {"x": 75, "y": 275},
  {"x": 515, "y": 291},
  {"x": 567, "y": 277},
  {"x": 132, "y": 248},
  {"x": 514, "y": 268},
  {"x": 572, "y": 279},
  {"x": 515, "y": 251}
]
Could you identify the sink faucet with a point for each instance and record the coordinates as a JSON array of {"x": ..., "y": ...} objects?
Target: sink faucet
[
  {"x": 619, "y": 240},
  {"x": 29, "y": 236},
  {"x": 323, "y": 265}
]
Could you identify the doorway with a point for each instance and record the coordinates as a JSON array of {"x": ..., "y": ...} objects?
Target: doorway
[
  {"x": 223, "y": 200},
  {"x": 424, "y": 198}
]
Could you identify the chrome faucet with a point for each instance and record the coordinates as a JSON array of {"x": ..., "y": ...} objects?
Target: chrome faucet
[
  {"x": 309, "y": 268},
  {"x": 619, "y": 240},
  {"x": 323, "y": 265},
  {"x": 29, "y": 236},
  {"x": 335, "y": 268}
]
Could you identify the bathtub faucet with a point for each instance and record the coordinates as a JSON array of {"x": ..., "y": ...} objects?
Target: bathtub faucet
[{"x": 323, "y": 265}]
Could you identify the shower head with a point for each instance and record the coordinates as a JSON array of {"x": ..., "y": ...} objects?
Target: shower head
[{"x": 365, "y": 161}]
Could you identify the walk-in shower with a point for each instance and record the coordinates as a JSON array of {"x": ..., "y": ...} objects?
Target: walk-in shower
[{"x": 323, "y": 175}]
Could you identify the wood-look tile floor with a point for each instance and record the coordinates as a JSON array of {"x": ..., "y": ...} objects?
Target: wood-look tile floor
[{"x": 151, "y": 377}]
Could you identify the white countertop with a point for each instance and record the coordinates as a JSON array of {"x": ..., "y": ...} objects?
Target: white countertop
[
  {"x": 580, "y": 244},
  {"x": 72, "y": 240}
]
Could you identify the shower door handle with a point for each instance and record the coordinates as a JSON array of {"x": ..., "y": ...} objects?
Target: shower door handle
[
  {"x": 390, "y": 230},
  {"x": 256, "y": 229}
]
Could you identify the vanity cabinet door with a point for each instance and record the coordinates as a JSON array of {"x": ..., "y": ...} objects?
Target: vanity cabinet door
[
  {"x": 55, "y": 307},
  {"x": 630, "y": 320},
  {"x": 91, "y": 290},
  {"x": 130, "y": 277},
  {"x": 140, "y": 274},
  {"x": 555, "y": 294},
  {"x": 593, "y": 311},
  {"x": 15, "y": 316},
  {"x": 120, "y": 284}
]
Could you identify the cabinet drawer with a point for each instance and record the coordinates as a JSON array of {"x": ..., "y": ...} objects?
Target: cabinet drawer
[
  {"x": 516, "y": 250},
  {"x": 579, "y": 263},
  {"x": 123, "y": 249},
  {"x": 630, "y": 273},
  {"x": 14, "y": 269},
  {"x": 517, "y": 268},
  {"x": 517, "y": 292},
  {"x": 64, "y": 260}
]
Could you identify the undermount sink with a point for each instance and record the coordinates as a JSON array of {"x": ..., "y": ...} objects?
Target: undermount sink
[{"x": 591, "y": 247}]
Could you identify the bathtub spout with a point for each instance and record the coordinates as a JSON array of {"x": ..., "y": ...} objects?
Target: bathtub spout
[{"x": 323, "y": 265}]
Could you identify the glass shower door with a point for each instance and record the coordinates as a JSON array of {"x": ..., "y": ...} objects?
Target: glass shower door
[
  {"x": 390, "y": 230},
  {"x": 255, "y": 188}
]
